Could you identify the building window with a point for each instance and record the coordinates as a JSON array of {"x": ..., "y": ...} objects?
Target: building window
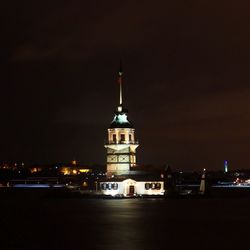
[
  {"x": 109, "y": 186},
  {"x": 147, "y": 186},
  {"x": 158, "y": 186},
  {"x": 115, "y": 186},
  {"x": 114, "y": 137},
  {"x": 130, "y": 137},
  {"x": 122, "y": 137},
  {"x": 153, "y": 186}
]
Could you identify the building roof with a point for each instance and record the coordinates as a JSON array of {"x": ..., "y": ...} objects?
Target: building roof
[
  {"x": 120, "y": 119},
  {"x": 135, "y": 175}
]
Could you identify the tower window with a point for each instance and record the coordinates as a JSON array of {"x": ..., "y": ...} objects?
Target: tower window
[
  {"x": 114, "y": 137},
  {"x": 122, "y": 137},
  {"x": 130, "y": 137}
]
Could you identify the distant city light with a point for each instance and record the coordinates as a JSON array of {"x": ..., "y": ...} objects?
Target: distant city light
[{"x": 225, "y": 166}]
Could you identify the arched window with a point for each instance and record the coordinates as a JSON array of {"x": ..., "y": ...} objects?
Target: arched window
[
  {"x": 103, "y": 186},
  {"x": 115, "y": 186},
  {"x": 147, "y": 186},
  {"x": 122, "y": 137}
]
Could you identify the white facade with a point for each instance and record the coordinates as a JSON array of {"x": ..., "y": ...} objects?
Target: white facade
[
  {"x": 121, "y": 150},
  {"x": 125, "y": 135},
  {"x": 130, "y": 188}
]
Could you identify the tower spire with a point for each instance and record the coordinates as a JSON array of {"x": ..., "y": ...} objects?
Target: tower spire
[{"x": 120, "y": 82}]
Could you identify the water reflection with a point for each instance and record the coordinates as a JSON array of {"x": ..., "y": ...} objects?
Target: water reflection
[{"x": 35, "y": 223}]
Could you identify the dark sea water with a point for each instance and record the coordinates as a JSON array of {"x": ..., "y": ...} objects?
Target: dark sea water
[{"x": 35, "y": 220}]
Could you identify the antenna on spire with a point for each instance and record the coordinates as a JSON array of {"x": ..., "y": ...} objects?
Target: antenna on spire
[{"x": 120, "y": 82}]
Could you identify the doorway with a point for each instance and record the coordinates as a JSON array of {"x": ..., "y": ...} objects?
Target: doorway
[{"x": 131, "y": 190}]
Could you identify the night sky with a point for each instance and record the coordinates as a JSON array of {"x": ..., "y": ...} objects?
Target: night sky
[{"x": 186, "y": 80}]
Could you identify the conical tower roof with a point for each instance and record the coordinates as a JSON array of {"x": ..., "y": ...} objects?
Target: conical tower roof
[{"x": 120, "y": 119}]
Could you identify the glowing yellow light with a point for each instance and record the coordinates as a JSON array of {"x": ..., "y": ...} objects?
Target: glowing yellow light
[
  {"x": 65, "y": 171},
  {"x": 84, "y": 170},
  {"x": 33, "y": 170},
  {"x": 85, "y": 184}
]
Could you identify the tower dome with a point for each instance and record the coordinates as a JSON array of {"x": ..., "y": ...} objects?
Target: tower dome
[{"x": 121, "y": 119}]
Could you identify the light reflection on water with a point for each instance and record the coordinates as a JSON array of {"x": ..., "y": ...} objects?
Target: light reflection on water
[{"x": 123, "y": 224}]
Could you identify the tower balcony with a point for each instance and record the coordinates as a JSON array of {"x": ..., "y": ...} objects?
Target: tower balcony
[{"x": 111, "y": 142}]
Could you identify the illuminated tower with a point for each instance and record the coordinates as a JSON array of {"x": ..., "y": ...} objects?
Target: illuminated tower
[
  {"x": 121, "y": 145},
  {"x": 225, "y": 166}
]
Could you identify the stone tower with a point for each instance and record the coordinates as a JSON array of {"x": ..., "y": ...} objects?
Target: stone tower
[{"x": 121, "y": 145}]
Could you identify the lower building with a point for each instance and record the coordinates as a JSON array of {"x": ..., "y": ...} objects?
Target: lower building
[{"x": 132, "y": 186}]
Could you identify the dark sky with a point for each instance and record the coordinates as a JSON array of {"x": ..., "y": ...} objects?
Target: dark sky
[{"x": 186, "y": 80}]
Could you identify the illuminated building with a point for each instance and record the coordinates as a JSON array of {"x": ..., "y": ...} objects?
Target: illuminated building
[
  {"x": 121, "y": 145},
  {"x": 133, "y": 186},
  {"x": 35, "y": 169},
  {"x": 68, "y": 170},
  {"x": 122, "y": 177}
]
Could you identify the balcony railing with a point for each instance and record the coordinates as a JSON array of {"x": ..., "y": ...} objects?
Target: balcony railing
[{"x": 121, "y": 142}]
